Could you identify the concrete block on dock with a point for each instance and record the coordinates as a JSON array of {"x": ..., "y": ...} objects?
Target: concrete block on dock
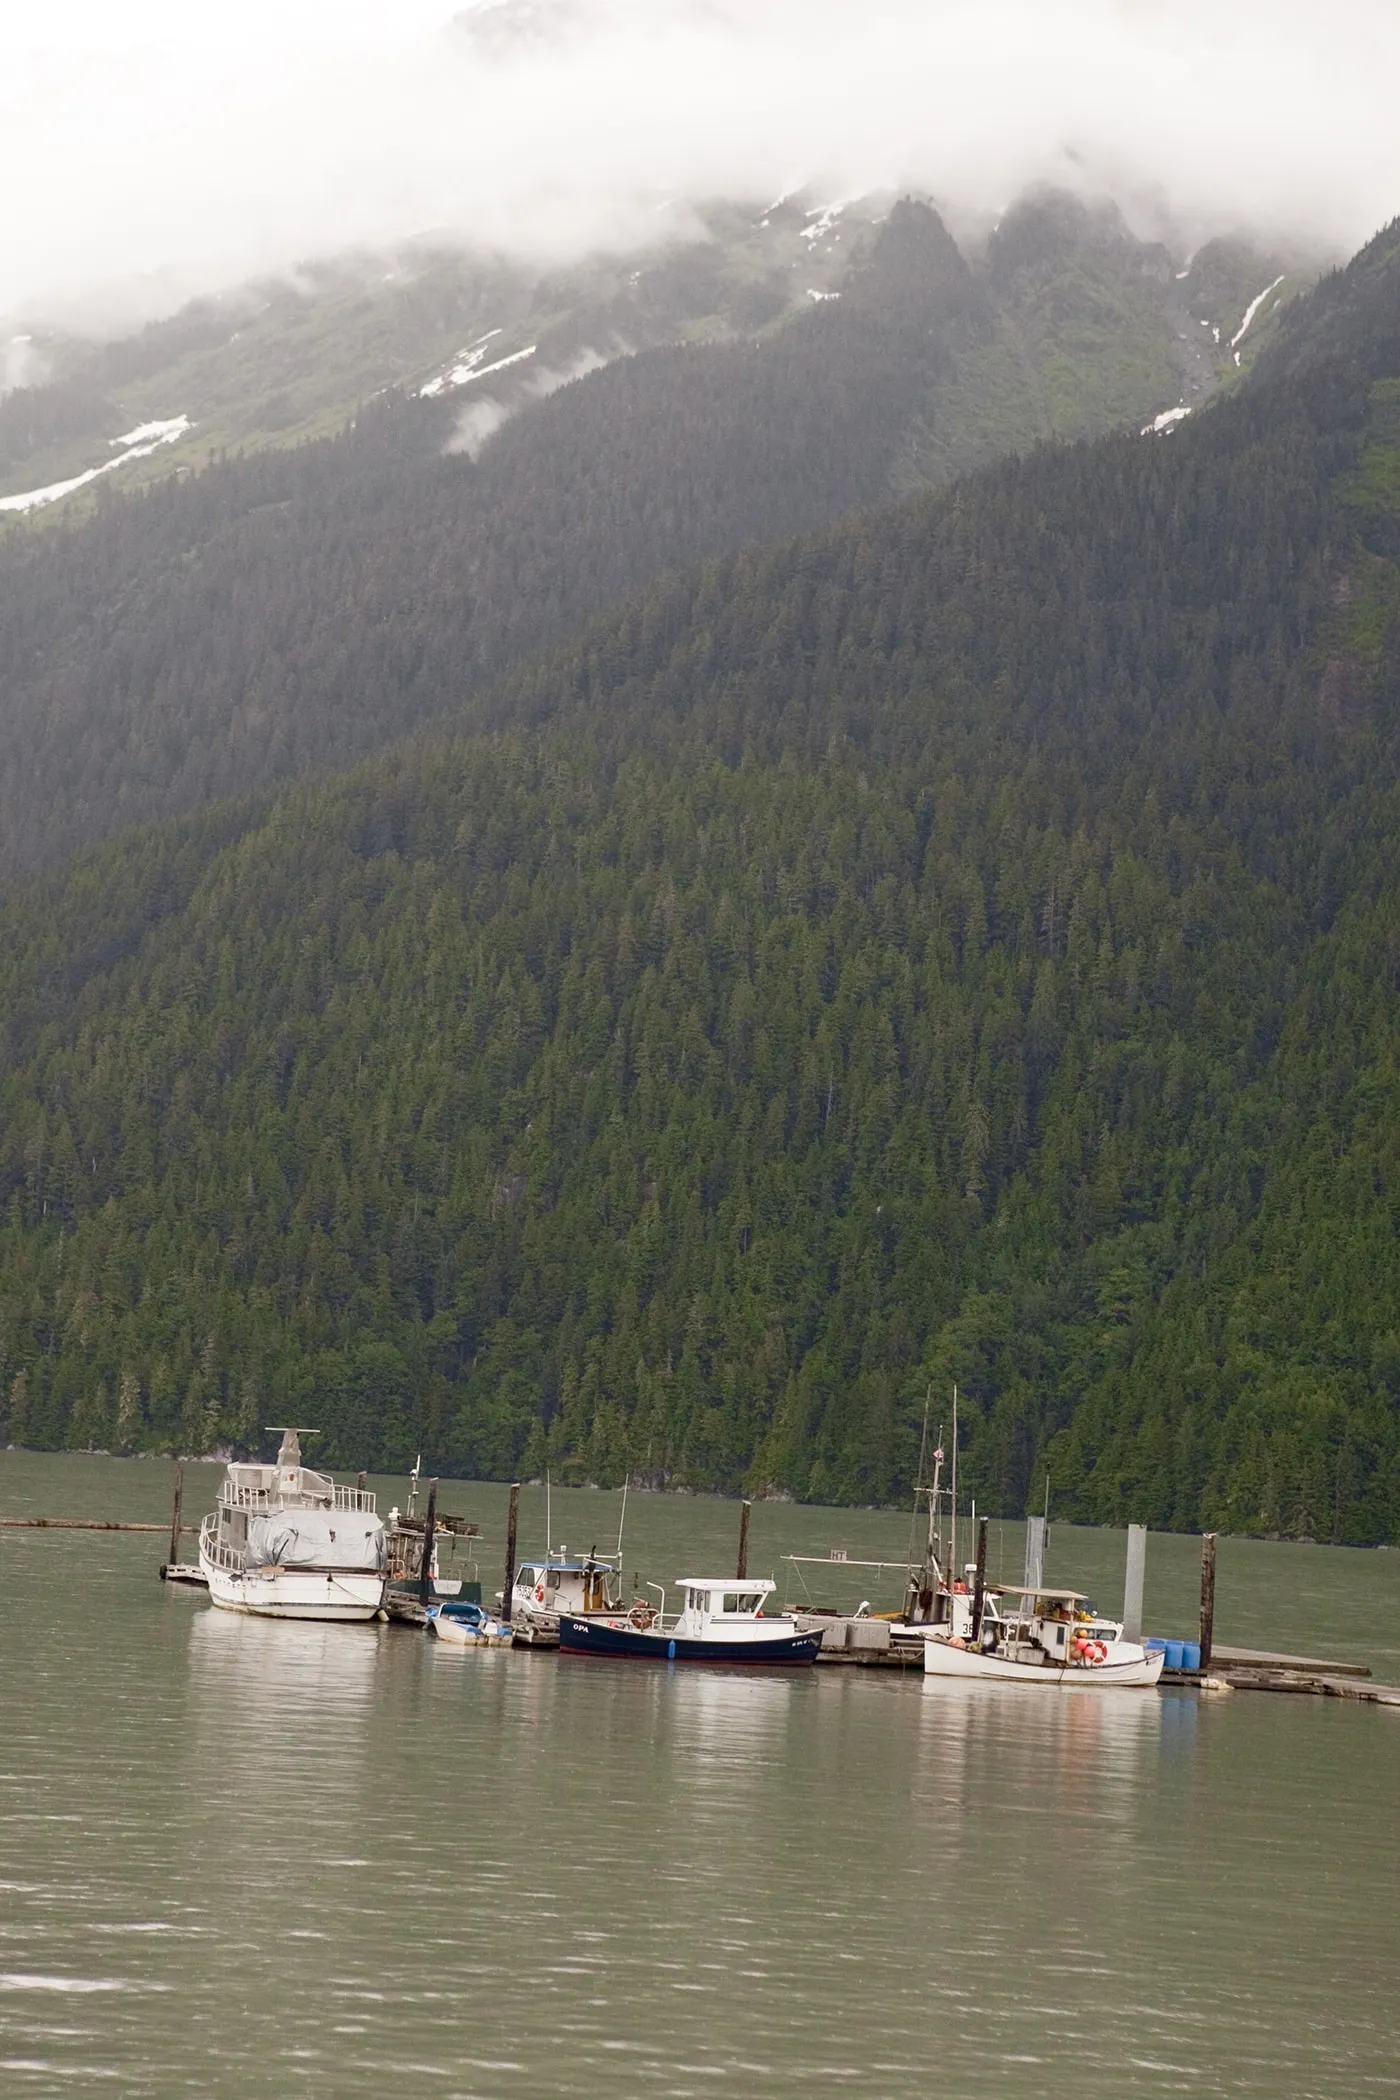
[
  {"x": 869, "y": 1634},
  {"x": 834, "y": 1635}
]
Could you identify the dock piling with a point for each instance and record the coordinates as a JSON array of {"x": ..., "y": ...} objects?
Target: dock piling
[
  {"x": 512, "y": 1522},
  {"x": 1132, "y": 1582},
  {"x": 979, "y": 1581},
  {"x": 1207, "y": 1597},
  {"x": 177, "y": 1512},
  {"x": 425, "y": 1577},
  {"x": 741, "y": 1572},
  {"x": 1036, "y": 1529}
]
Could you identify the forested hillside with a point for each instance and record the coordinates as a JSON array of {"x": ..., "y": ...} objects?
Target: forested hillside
[
  {"x": 294, "y": 610},
  {"x": 959, "y": 946}
]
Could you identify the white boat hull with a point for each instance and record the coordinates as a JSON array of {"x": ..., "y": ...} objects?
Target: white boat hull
[
  {"x": 295, "y": 1593},
  {"x": 1133, "y": 1673},
  {"x": 460, "y": 1633}
]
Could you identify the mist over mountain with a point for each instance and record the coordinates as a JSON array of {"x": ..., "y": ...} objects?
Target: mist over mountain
[{"x": 232, "y": 144}]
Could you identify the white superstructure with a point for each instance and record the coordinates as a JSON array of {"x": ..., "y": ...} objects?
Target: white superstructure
[
  {"x": 287, "y": 1543},
  {"x": 544, "y": 1588},
  {"x": 1034, "y": 1636}
]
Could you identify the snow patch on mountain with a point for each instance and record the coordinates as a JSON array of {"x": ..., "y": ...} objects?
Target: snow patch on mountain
[
  {"x": 1249, "y": 313},
  {"x": 822, "y": 222},
  {"x": 135, "y": 444},
  {"x": 1168, "y": 420}
]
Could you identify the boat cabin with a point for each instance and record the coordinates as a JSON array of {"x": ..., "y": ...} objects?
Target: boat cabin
[
  {"x": 1058, "y": 1626},
  {"x": 561, "y": 1585},
  {"x": 723, "y": 1609}
]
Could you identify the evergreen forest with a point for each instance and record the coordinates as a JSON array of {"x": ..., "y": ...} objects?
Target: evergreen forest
[{"x": 961, "y": 944}]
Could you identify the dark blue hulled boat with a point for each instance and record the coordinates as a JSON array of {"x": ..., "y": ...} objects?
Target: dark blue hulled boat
[{"x": 720, "y": 1622}]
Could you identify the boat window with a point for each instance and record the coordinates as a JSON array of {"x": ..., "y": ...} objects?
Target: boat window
[
  {"x": 551, "y": 1580},
  {"x": 742, "y": 1600}
]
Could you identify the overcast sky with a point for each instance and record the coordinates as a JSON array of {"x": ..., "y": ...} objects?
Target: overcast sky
[{"x": 171, "y": 147}]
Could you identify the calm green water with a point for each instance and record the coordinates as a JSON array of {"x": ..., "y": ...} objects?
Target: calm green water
[{"x": 244, "y": 1858}]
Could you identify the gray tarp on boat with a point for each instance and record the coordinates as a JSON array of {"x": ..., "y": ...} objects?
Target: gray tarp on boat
[{"x": 316, "y": 1538}]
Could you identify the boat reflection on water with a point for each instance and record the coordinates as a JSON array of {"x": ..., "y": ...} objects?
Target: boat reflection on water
[
  {"x": 275, "y": 1695},
  {"x": 1076, "y": 1744}
]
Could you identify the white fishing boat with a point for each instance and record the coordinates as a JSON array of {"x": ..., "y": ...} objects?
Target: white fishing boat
[
  {"x": 1038, "y": 1637},
  {"x": 287, "y": 1543},
  {"x": 543, "y": 1589}
]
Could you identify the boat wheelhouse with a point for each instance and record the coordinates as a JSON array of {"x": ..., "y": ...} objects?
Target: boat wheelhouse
[
  {"x": 285, "y": 1542},
  {"x": 721, "y": 1620},
  {"x": 543, "y": 1589}
]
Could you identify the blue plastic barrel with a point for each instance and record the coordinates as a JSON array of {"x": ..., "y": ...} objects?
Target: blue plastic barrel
[
  {"x": 1190, "y": 1655},
  {"x": 1173, "y": 1649},
  {"x": 1154, "y": 1644}
]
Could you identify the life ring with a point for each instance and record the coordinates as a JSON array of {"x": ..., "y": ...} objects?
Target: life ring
[{"x": 539, "y": 1593}]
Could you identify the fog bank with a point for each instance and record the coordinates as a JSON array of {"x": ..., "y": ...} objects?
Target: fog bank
[{"x": 160, "y": 153}]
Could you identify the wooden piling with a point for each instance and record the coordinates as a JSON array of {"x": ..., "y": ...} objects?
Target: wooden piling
[
  {"x": 741, "y": 1572},
  {"x": 425, "y": 1577},
  {"x": 979, "y": 1582},
  {"x": 1133, "y": 1573},
  {"x": 512, "y": 1521},
  {"x": 177, "y": 1512},
  {"x": 1207, "y": 1598}
]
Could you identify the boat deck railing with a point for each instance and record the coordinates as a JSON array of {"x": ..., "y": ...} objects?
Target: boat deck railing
[
  {"x": 234, "y": 1495},
  {"x": 232, "y": 1559}
]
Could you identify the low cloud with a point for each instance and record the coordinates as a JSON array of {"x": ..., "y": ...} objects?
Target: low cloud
[
  {"x": 208, "y": 150},
  {"x": 480, "y": 419}
]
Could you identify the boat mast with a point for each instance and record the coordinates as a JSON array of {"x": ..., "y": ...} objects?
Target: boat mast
[
  {"x": 953, "y": 1512},
  {"x": 933, "y": 1550}
]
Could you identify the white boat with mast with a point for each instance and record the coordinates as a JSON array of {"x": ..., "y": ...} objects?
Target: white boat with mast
[
  {"x": 287, "y": 1543},
  {"x": 1029, "y": 1634},
  {"x": 967, "y": 1627},
  {"x": 544, "y": 1589}
]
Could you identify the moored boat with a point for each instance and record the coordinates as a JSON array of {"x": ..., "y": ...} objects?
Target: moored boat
[
  {"x": 545, "y": 1589},
  {"x": 721, "y": 1621},
  {"x": 288, "y": 1543},
  {"x": 467, "y": 1625},
  {"x": 1038, "y": 1637}
]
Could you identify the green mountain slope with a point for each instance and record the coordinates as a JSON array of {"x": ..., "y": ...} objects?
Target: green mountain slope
[
  {"x": 957, "y": 947},
  {"x": 1087, "y": 327},
  {"x": 298, "y": 608}
]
